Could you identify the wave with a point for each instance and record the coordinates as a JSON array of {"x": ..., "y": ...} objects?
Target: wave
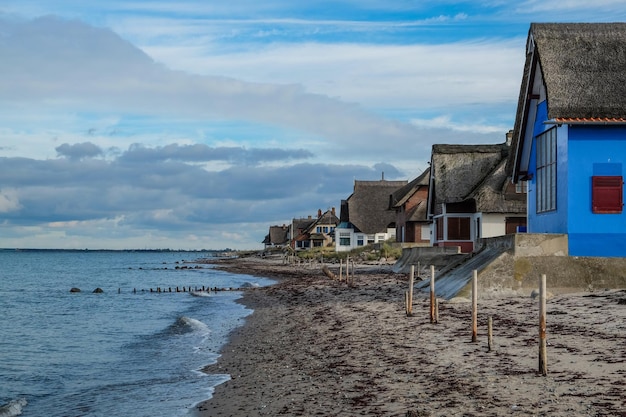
[
  {"x": 13, "y": 408},
  {"x": 188, "y": 325},
  {"x": 200, "y": 294}
]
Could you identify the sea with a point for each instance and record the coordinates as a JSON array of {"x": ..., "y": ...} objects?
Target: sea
[{"x": 126, "y": 351}]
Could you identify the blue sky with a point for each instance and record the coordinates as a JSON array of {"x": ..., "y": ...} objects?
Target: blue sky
[{"x": 198, "y": 124}]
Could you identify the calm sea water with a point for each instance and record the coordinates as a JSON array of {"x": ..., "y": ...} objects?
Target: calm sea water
[{"x": 110, "y": 354}]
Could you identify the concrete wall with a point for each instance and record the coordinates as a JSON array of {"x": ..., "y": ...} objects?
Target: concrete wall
[{"x": 518, "y": 270}]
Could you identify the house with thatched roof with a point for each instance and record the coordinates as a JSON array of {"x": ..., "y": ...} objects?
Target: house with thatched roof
[
  {"x": 365, "y": 217},
  {"x": 315, "y": 232},
  {"x": 278, "y": 236},
  {"x": 410, "y": 204},
  {"x": 471, "y": 195},
  {"x": 321, "y": 233},
  {"x": 299, "y": 238},
  {"x": 569, "y": 138}
]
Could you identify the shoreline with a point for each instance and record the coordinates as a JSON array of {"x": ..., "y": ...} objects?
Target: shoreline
[{"x": 314, "y": 346}]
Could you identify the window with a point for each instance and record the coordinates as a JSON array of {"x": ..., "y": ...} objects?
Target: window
[
  {"x": 371, "y": 239},
  {"x": 325, "y": 229},
  {"x": 606, "y": 194},
  {"x": 546, "y": 171},
  {"x": 459, "y": 228},
  {"x": 440, "y": 228},
  {"x": 359, "y": 240},
  {"x": 344, "y": 238},
  {"x": 520, "y": 187},
  {"x": 318, "y": 229}
]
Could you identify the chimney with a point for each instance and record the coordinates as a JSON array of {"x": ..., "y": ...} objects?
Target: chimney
[
  {"x": 319, "y": 213},
  {"x": 509, "y": 137},
  {"x": 333, "y": 211},
  {"x": 383, "y": 178}
]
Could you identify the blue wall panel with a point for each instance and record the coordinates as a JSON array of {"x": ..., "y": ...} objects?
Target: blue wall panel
[{"x": 594, "y": 150}]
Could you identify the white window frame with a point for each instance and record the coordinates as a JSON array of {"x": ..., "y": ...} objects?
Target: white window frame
[{"x": 546, "y": 171}]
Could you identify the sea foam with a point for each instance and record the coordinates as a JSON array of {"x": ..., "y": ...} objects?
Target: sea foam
[{"x": 13, "y": 408}]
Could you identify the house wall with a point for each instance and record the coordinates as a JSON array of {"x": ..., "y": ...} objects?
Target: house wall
[
  {"x": 492, "y": 225},
  {"x": 553, "y": 221},
  {"x": 594, "y": 234},
  {"x": 358, "y": 239}
]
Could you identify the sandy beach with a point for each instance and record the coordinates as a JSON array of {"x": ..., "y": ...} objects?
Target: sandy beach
[{"x": 316, "y": 346}]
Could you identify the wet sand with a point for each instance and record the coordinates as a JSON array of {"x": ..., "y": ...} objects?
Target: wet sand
[{"x": 316, "y": 346}]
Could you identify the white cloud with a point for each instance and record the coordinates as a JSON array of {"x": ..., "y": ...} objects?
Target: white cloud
[
  {"x": 377, "y": 76},
  {"x": 446, "y": 122},
  {"x": 9, "y": 200}
]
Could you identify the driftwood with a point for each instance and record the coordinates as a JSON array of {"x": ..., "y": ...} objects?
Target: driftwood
[{"x": 328, "y": 273}]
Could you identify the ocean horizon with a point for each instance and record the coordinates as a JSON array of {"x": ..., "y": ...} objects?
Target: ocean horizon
[{"x": 125, "y": 351}]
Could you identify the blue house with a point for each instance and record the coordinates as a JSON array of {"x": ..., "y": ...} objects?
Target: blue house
[{"x": 570, "y": 135}]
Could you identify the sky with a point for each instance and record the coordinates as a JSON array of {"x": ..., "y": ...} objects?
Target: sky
[{"x": 198, "y": 124}]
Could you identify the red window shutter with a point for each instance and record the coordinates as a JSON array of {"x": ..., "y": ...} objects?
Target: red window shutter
[{"x": 607, "y": 194}]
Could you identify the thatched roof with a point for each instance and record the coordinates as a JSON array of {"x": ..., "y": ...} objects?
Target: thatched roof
[
  {"x": 491, "y": 197},
  {"x": 328, "y": 217},
  {"x": 458, "y": 169},
  {"x": 420, "y": 212},
  {"x": 301, "y": 225},
  {"x": 368, "y": 206},
  {"x": 583, "y": 69},
  {"x": 278, "y": 235},
  {"x": 401, "y": 195}
]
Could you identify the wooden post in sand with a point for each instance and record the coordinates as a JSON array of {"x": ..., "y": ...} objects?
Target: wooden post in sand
[
  {"x": 543, "y": 355},
  {"x": 406, "y": 303},
  {"x": 432, "y": 294},
  {"x": 474, "y": 306},
  {"x": 340, "y": 269},
  {"x": 490, "y": 334},
  {"x": 352, "y": 270},
  {"x": 409, "y": 311}
]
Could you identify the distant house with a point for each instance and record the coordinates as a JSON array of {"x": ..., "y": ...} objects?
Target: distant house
[
  {"x": 313, "y": 233},
  {"x": 411, "y": 206},
  {"x": 365, "y": 217},
  {"x": 322, "y": 232},
  {"x": 471, "y": 196},
  {"x": 278, "y": 236},
  {"x": 299, "y": 237},
  {"x": 570, "y": 134}
]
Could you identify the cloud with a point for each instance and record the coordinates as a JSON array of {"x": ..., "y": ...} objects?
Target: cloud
[
  {"x": 9, "y": 201},
  {"x": 204, "y": 153},
  {"x": 150, "y": 191},
  {"x": 70, "y": 64},
  {"x": 446, "y": 122},
  {"x": 79, "y": 150}
]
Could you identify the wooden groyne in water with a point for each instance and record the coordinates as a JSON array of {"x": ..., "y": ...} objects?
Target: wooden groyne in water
[{"x": 177, "y": 289}]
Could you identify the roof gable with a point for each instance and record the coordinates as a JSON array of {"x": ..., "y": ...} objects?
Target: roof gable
[
  {"x": 578, "y": 68},
  {"x": 491, "y": 197},
  {"x": 368, "y": 206},
  {"x": 458, "y": 169},
  {"x": 583, "y": 68},
  {"x": 403, "y": 194}
]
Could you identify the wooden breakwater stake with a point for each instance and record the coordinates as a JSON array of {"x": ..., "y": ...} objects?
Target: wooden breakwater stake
[
  {"x": 340, "y": 270},
  {"x": 490, "y": 334},
  {"x": 432, "y": 294},
  {"x": 543, "y": 355},
  {"x": 475, "y": 306},
  {"x": 409, "y": 309}
]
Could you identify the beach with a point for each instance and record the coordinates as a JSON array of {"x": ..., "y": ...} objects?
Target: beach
[{"x": 317, "y": 346}]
